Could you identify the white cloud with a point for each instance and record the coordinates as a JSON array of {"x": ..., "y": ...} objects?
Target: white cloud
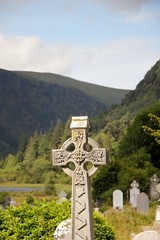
[
  {"x": 30, "y": 53},
  {"x": 124, "y": 6},
  {"x": 119, "y": 64}
]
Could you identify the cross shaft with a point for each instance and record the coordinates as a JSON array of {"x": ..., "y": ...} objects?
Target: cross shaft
[{"x": 74, "y": 151}]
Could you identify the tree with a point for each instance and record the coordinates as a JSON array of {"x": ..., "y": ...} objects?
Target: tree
[
  {"x": 57, "y": 134},
  {"x": 67, "y": 131},
  {"x": 49, "y": 186},
  {"x": 155, "y": 132},
  {"x": 44, "y": 147},
  {"x": 136, "y": 138}
]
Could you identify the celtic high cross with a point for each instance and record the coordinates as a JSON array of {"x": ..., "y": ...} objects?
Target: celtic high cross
[{"x": 74, "y": 151}]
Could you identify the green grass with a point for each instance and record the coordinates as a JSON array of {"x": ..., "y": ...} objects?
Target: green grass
[
  {"x": 130, "y": 221},
  {"x": 124, "y": 222},
  {"x": 19, "y": 197},
  {"x": 63, "y": 187}
]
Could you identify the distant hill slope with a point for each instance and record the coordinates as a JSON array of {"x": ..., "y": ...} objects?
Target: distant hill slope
[
  {"x": 31, "y": 101},
  {"x": 105, "y": 95},
  {"x": 147, "y": 93}
]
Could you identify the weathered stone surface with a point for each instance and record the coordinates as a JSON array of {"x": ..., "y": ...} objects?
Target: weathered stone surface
[
  {"x": 63, "y": 231},
  {"x": 118, "y": 199},
  {"x": 74, "y": 151},
  {"x": 158, "y": 215},
  {"x": 62, "y": 196},
  {"x": 134, "y": 192},
  {"x": 147, "y": 235},
  {"x": 154, "y": 194},
  {"x": 142, "y": 203}
]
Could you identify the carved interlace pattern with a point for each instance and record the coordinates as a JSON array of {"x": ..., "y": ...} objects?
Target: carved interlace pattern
[{"x": 79, "y": 156}]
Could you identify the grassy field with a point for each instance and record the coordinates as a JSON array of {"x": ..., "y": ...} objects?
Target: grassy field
[
  {"x": 21, "y": 196},
  {"x": 125, "y": 222},
  {"x": 129, "y": 221}
]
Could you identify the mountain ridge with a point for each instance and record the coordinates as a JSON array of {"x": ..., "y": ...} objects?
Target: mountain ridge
[
  {"x": 29, "y": 104},
  {"x": 100, "y": 93}
]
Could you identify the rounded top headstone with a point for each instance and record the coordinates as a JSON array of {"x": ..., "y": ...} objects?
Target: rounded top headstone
[{"x": 147, "y": 235}]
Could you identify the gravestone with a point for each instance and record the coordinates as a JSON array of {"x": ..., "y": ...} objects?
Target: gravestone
[
  {"x": 6, "y": 202},
  {"x": 63, "y": 230},
  {"x": 74, "y": 152},
  {"x": 142, "y": 203},
  {"x": 158, "y": 190},
  {"x": 158, "y": 215},
  {"x": 154, "y": 194},
  {"x": 147, "y": 235},
  {"x": 12, "y": 202},
  {"x": 62, "y": 196},
  {"x": 134, "y": 192},
  {"x": 118, "y": 199}
]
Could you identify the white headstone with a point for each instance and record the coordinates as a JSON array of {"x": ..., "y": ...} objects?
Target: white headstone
[
  {"x": 118, "y": 199},
  {"x": 63, "y": 230},
  {"x": 158, "y": 215},
  {"x": 147, "y": 235},
  {"x": 142, "y": 203},
  {"x": 134, "y": 192}
]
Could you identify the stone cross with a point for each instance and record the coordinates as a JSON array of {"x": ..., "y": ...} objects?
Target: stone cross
[
  {"x": 73, "y": 157},
  {"x": 154, "y": 179},
  {"x": 154, "y": 194},
  {"x": 134, "y": 192},
  {"x": 134, "y": 184}
]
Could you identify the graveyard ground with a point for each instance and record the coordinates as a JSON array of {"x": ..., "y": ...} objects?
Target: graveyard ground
[
  {"x": 125, "y": 222},
  {"x": 128, "y": 221}
]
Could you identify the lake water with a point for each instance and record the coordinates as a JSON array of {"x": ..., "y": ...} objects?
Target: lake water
[{"x": 19, "y": 189}]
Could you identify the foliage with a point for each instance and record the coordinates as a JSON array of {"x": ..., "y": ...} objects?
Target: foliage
[
  {"x": 102, "y": 230},
  {"x": 3, "y": 197},
  {"x": 32, "y": 221},
  {"x": 155, "y": 132},
  {"x": 134, "y": 154},
  {"x": 49, "y": 183},
  {"x": 105, "y": 179},
  {"x": 39, "y": 221},
  {"x": 135, "y": 137},
  {"x": 119, "y": 174},
  {"x": 30, "y": 101}
]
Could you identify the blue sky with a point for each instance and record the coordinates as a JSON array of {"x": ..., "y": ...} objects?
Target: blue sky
[{"x": 107, "y": 42}]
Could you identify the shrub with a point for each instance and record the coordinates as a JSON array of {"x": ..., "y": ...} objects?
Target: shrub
[
  {"x": 102, "y": 231},
  {"x": 40, "y": 220}
]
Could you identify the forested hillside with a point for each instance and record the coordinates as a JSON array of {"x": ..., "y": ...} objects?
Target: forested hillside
[
  {"x": 131, "y": 132},
  {"x": 34, "y": 101}
]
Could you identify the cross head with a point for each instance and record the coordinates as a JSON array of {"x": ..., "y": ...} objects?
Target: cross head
[{"x": 80, "y": 151}]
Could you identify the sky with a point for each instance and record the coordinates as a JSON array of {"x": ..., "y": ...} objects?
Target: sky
[{"x": 111, "y": 43}]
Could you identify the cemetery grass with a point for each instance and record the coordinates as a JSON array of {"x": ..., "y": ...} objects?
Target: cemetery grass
[
  {"x": 39, "y": 194},
  {"x": 129, "y": 221}
]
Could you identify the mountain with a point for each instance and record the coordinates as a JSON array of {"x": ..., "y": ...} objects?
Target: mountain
[
  {"x": 31, "y": 101},
  {"x": 147, "y": 92},
  {"x": 105, "y": 95},
  {"x": 118, "y": 118}
]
